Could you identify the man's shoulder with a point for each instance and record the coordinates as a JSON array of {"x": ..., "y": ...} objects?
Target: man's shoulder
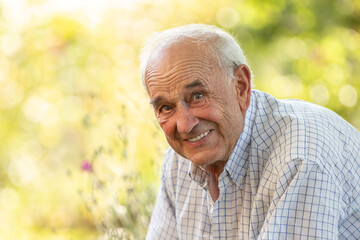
[
  {"x": 268, "y": 105},
  {"x": 294, "y": 129},
  {"x": 295, "y": 114},
  {"x": 299, "y": 129}
]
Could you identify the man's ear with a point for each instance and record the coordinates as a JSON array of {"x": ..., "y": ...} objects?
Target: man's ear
[{"x": 242, "y": 81}]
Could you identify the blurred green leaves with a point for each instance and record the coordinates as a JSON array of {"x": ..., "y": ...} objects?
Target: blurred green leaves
[{"x": 70, "y": 92}]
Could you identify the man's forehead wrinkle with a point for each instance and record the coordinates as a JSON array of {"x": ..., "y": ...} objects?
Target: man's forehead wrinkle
[
  {"x": 183, "y": 64},
  {"x": 173, "y": 84},
  {"x": 184, "y": 72},
  {"x": 174, "y": 77},
  {"x": 180, "y": 68},
  {"x": 162, "y": 90}
]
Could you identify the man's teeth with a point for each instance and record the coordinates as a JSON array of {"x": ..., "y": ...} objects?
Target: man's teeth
[{"x": 199, "y": 137}]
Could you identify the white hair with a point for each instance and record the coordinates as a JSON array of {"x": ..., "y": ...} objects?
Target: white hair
[{"x": 211, "y": 39}]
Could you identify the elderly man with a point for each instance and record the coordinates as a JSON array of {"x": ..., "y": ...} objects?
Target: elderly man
[{"x": 242, "y": 164}]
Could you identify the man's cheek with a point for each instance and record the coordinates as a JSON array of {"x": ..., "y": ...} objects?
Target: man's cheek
[{"x": 167, "y": 128}]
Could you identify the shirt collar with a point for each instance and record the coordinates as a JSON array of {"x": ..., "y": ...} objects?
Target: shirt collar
[
  {"x": 198, "y": 175},
  {"x": 237, "y": 163}
]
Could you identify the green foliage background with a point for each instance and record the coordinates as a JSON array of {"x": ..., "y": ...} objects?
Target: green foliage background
[{"x": 70, "y": 94}]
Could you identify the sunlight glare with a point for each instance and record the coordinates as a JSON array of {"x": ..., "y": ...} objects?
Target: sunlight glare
[{"x": 20, "y": 12}]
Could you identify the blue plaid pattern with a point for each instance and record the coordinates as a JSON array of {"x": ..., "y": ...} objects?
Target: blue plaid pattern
[{"x": 293, "y": 174}]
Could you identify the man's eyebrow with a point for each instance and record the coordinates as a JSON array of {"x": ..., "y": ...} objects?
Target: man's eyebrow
[
  {"x": 155, "y": 101},
  {"x": 196, "y": 83}
]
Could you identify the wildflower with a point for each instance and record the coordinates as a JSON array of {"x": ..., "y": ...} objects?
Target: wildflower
[{"x": 86, "y": 166}]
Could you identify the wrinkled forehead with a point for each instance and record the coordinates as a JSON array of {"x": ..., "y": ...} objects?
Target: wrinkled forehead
[{"x": 170, "y": 63}]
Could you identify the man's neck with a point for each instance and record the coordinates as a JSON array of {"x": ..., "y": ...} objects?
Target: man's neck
[
  {"x": 214, "y": 187},
  {"x": 216, "y": 168}
]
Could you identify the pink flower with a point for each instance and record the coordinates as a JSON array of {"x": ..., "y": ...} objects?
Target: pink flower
[{"x": 86, "y": 166}]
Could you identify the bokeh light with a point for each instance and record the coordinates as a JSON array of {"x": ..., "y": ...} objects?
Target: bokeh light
[
  {"x": 348, "y": 96},
  {"x": 9, "y": 199},
  {"x": 227, "y": 17},
  {"x": 319, "y": 94}
]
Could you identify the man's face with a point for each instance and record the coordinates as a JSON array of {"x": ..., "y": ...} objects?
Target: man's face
[{"x": 197, "y": 108}]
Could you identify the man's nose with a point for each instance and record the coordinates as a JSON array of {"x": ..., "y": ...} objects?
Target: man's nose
[{"x": 185, "y": 120}]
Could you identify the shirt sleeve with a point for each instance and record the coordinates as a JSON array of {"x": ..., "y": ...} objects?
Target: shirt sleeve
[
  {"x": 306, "y": 205},
  {"x": 163, "y": 221}
]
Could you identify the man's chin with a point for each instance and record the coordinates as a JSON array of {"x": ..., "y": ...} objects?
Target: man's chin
[
  {"x": 201, "y": 161},
  {"x": 199, "y": 158},
  {"x": 209, "y": 161}
]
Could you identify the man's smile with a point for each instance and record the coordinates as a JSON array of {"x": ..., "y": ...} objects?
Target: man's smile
[{"x": 195, "y": 139}]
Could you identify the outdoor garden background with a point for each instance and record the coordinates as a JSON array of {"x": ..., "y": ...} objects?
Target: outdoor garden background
[{"x": 80, "y": 149}]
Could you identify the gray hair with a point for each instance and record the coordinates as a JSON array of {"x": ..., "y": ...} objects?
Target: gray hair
[{"x": 211, "y": 39}]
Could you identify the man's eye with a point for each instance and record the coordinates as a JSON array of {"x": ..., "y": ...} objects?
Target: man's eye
[
  {"x": 197, "y": 96},
  {"x": 165, "y": 108}
]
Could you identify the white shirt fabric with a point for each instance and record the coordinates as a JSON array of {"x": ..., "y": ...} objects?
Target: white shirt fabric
[{"x": 293, "y": 174}]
